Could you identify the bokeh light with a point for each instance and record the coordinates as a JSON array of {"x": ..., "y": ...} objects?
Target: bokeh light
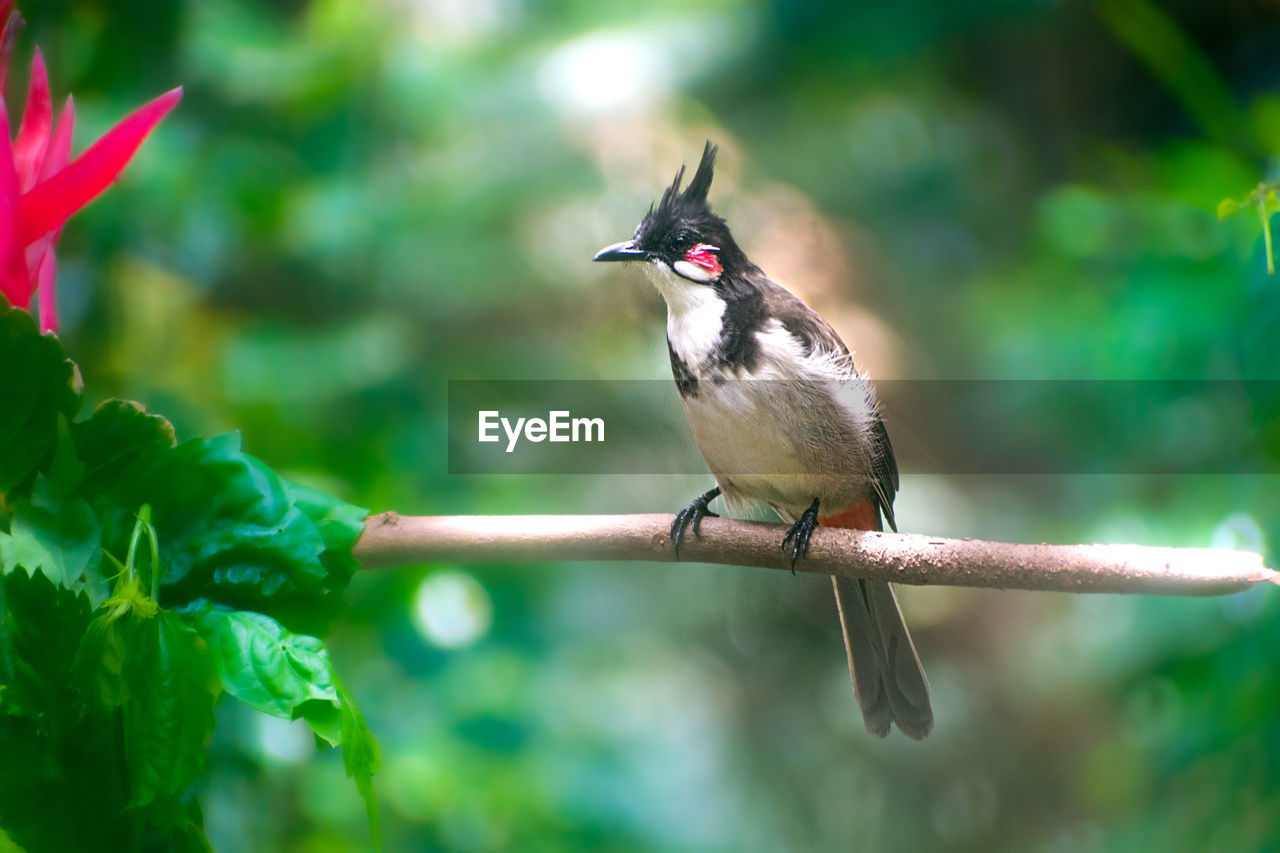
[{"x": 451, "y": 609}]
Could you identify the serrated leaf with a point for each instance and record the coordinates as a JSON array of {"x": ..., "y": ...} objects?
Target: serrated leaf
[
  {"x": 110, "y": 665},
  {"x": 101, "y": 660},
  {"x": 62, "y": 792},
  {"x": 361, "y": 758},
  {"x": 38, "y": 383},
  {"x": 65, "y": 470},
  {"x": 60, "y": 537},
  {"x": 265, "y": 665},
  {"x": 116, "y": 434},
  {"x": 8, "y": 657},
  {"x": 229, "y": 532},
  {"x": 171, "y": 716},
  {"x": 324, "y": 719},
  {"x": 340, "y": 525},
  {"x": 42, "y": 624},
  {"x": 290, "y": 676}
]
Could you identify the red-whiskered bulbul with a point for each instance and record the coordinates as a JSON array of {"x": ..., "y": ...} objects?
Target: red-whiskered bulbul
[{"x": 783, "y": 418}]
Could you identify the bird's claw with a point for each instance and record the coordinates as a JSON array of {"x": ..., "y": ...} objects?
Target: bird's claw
[
  {"x": 691, "y": 516},
  {"x": 800, "y": 534}
]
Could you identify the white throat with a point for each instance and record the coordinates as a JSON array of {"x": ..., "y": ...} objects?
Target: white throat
[{"x": 695, "y": 314}]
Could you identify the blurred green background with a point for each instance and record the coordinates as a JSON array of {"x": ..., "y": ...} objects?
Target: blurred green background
[{"x": 358, "y": 201}]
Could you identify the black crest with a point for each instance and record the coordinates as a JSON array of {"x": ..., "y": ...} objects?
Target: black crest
[
  {"x": 684, "y": 216},
  {"x": 692, "y": 201},
  {"x": 701, "y": 182}
]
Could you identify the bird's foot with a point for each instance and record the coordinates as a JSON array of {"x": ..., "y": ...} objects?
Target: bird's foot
[
  {"x": 692, "y": 515},
  {"x": 800, "y": 533}
]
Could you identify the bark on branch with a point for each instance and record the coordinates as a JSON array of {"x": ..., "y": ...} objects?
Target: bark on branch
[{"x": 395, "y": 540}]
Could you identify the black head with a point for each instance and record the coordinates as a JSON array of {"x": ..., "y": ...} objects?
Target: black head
[{"x": 682, "y": 233}]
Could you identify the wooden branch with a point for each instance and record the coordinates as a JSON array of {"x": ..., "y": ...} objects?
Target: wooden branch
[{"x": 394, "y": 540}]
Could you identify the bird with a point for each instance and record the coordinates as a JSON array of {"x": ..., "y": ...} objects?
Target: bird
[{"x": 783, "y": 418}]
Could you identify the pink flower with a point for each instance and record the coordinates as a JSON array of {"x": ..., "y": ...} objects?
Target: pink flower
[{"x": 41, "y": 186}]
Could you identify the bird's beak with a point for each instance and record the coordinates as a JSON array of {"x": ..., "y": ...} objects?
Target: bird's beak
[{"x": 624, "y": 251}]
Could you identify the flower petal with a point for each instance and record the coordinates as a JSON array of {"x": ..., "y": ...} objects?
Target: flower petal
[
  {"x": 37, "y": 120},
  {"x": 48, "y": 305},
  {"x": 55, "y": 159},
  {"x": 41, "y": 264},
  {"x": 51, "y": 202},
  {"x": 41, "y": 268},
  {"x": 15, "y": 284},
  {"x": 10, "y": 23}
]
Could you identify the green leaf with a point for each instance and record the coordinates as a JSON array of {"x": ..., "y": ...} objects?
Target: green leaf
[
  {"x": 7, "y": 844},
  {"x": 340, "y": 525},
  {"x": 324, "y": 718},
  {"x": 41, "y": 624},
  {"x": 61, "y": 775},
  {"x": 62, "y": 790},
  {"x": 115, "y": 435},
  {"x": 108, "y": 660},
  {"x": 266, "y": 666},
  {"x": 229, "y": 532},
  {"x": 361, "y": 758},
  {"x": 288, "y": 675},
  {"x": 60, "y": 537},
  {"x": 37, "y": 384},
  {"x": 1226, "y": 207},
  {"x": 8, "y": 656},
  {"x": 171, "y": 716},
  {"x": 174, "y": 824},
  {"x": 65, "y": 471},
  {"x": 339, "y": 522},
  {"x": 101, "y": 660}
]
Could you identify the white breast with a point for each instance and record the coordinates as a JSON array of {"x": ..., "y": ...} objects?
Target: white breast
[
  {"x": 694, "y": 315},
  {"x": 799, "y": 426}
]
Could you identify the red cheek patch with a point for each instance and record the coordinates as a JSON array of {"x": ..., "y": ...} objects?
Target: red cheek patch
[{"x": 704, "y": 255}]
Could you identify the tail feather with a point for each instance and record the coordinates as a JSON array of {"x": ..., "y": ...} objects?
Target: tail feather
[
  {"x": 887, "y": 676},
  {"x": 860, "y": 641},
  {"x": 905, "y": 683}
]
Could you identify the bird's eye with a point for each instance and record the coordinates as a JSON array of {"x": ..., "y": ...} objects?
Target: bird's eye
[{"x": 683, "y": 239}]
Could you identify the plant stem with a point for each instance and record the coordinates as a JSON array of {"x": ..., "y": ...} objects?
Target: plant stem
[{"x": 1266, "y": 233}]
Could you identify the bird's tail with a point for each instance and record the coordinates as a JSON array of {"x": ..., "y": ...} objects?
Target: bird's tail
[{"x": 887, "y": 676}]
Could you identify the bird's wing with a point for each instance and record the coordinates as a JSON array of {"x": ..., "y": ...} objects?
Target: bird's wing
[
  {"x": 884, "y": 470},
  {"x": 811, "y": 331},
  {"x": 820, "y": 341}
]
